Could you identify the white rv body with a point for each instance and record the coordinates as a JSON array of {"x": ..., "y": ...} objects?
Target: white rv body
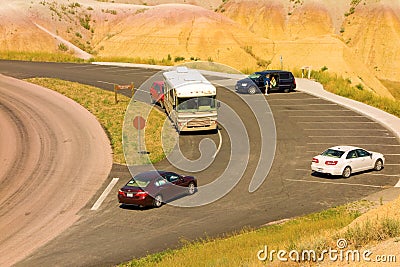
[{"x": 190, "y": 100}]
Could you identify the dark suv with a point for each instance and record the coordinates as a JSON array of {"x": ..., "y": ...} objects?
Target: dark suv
[{"x": 280, "y": 81}]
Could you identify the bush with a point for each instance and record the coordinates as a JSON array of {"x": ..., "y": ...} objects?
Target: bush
[
  {"x": 62, "y": 47},
  {"x": 362, "y": 234},
  {"x": 177, "y": 59}
]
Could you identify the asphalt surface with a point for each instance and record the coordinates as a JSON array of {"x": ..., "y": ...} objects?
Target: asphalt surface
[{"x": 305, "y": 126}]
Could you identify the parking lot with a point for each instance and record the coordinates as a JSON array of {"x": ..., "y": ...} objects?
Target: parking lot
[
  {"x": 324, "y": 124},
  {"x": 305, "y": 126}
]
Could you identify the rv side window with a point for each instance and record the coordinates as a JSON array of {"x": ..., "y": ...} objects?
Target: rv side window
[{"x": 171, "y": 96}]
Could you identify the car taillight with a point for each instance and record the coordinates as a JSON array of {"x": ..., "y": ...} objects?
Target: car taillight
[
  {"x": 331, "y": 162},
  {"x": 315, "y": 160},
  {"x": 122, "y": 193},
  {"x": 141, "y": 194}
]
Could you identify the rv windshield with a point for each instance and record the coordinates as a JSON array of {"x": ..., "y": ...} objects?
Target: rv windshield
[{"x": 196, "y": 104}]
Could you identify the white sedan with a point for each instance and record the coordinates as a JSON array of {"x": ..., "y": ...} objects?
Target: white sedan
[{"x": 345, "y": 160}]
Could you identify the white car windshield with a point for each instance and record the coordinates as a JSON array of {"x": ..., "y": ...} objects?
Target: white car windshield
[{"x": 333, "y": 153}]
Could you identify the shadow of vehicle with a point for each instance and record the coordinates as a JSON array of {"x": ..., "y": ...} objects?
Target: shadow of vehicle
[
  {"x": 144, "y": 208},
  {"x": 335, "y": 177}
]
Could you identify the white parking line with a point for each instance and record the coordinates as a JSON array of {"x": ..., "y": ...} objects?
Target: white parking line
[
  {"x": 387, "y": 175},
  {"x": 318, "y": 116},
  {"x": 105, "y": 82},
  {"x": 349, "y": 136},
  {"x": 369, "y": 130},
  {"x": 356, "y": 144},
  {"x": 329, "y": 122},
  {"x": 325, "y": 182},
  {"x": 302, "y": 105},
  {"x": 321, "y": 105},
  {"x": 325, "y": 110},
  {"x": 295, "y": 99},
  {"x": 104, "y": 68},
  {"x": 373, "y": 174},
  {"x": 104, "y": 194},
  {"x": 398, "y": 184}
]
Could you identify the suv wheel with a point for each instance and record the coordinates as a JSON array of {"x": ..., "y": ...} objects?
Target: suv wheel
[{"x": 252, "y": 90}]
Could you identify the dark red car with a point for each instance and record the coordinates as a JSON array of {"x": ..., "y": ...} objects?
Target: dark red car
[
  {"x": 153, "y": 188},
  {"x": 157, "y": 93}
]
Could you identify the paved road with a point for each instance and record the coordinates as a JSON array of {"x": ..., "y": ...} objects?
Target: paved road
[
  {"x": 305, "y": 126},
  {"x": 53, "y": 153}
]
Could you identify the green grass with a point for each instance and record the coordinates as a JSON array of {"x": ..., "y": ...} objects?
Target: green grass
[
  {"x": 241, "y": 249},
  {"x": 343, "y": 87},
  {"x": 101, "y": 103},
  {"x": 393, "y": 87},
  {"x": 39, "y": 56},
  {"x": 364, "y": 233}
]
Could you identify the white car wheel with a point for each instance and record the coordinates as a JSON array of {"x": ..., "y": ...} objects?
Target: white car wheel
[
  {"x": 346, "y": 172},
  {"x": 378, "y": 165}
]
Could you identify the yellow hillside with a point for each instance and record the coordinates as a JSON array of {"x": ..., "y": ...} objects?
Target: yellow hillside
[{"x": 357, "y": 39}]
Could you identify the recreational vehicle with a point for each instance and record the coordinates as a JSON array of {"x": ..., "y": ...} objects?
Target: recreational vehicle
[{"x": 190, "y": 100}]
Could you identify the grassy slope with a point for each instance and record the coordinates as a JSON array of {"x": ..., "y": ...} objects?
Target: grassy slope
[
  {"x": 319, "y": 231},
  {"x": 101, "y": 103},
  {"x": 344, "y": 87},
  {"x": 241, "y": 249},
  {"x": 393, "y": 87},
  {"x": 39, "y": 56}
]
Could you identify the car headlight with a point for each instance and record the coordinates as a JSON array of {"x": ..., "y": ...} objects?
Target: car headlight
[{"x": 244, "y": 84}]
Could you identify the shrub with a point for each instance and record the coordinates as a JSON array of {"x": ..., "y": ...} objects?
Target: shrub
[
  {"x": 177, "y": 59},
  {"x": 62, "y": 47}
]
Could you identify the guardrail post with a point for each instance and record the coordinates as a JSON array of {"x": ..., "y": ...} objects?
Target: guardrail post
[
  {"x": 115, "y": 91},
  {"x": 133, "y": 91}
]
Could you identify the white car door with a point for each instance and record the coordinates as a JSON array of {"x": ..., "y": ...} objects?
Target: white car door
[
  {"x": 354, "y": 161},
  {"x": 365, "y": 159}
]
